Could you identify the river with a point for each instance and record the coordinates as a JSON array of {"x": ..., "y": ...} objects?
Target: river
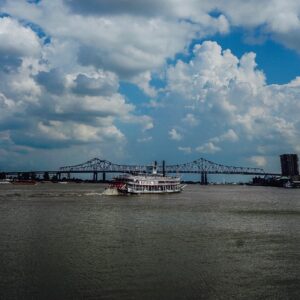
[{"x": 209, "y": 242}]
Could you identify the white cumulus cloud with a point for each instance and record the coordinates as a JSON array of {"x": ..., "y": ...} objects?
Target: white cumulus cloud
[
  {"x": 209, "y": 148},
  {"x": 175, "y": 135},
  {"x": 231, "y": 97},
  {"x": 63, "y": 63},
  {"x": 191, "y": 120},
  {"x": 186, "y": 150},
  {"x": 259, "y": 161}
]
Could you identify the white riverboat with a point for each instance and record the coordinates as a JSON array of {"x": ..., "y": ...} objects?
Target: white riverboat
[{"x": 145, "y": 184}]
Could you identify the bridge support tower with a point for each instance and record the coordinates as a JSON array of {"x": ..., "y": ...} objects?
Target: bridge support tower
[
  {"x": 95, "y": 176},
  {"x": 204, "y": 180}
]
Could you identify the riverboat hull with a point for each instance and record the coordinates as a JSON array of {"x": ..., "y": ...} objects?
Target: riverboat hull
[{"x": 134, "y": 191}]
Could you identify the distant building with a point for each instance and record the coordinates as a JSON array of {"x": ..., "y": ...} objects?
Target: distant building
[{"x": 289, "y": 164}]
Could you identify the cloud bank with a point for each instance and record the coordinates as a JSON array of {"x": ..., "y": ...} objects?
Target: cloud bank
[
  {"x": 63, "y": 64},
  {"x": 230, "y": 97}
]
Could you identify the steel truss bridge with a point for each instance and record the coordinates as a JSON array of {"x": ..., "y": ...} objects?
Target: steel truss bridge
[
  {"x": 197, "y": 166},
  {"x": 200, "y": 166}
]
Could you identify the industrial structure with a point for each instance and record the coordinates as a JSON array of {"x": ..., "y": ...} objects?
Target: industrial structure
[{"x": 289, "y": 165}]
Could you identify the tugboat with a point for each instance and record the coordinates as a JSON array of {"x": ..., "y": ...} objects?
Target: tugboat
[{"x": 145, "y": 184}]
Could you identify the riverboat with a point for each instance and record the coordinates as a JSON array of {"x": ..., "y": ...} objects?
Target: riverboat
[{"x": 145, "y": 184}]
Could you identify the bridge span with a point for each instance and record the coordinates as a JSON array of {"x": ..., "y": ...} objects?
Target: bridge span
[
  {"x": 197, "y": 166},
  {"x": 201, "y": 166}
]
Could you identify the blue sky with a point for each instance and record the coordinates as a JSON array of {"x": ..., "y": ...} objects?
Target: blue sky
[
  {"x": 279, "y": 63},
  {"x": 136, "y": 81}
]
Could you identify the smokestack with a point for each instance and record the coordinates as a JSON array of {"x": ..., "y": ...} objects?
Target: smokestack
[
  {"x": 164, "y": 168},
  {"x": 154, "y": 171}
]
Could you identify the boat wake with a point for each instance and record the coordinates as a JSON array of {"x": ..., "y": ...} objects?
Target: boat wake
[
  {"x": 93, "y": 194},
  {"x": 112, "y": 192}
]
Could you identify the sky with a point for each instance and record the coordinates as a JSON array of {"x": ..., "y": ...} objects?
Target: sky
[{"x": 135, "y": 81}]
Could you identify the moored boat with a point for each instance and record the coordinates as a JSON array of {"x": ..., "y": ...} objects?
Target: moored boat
[
  {"x": 5, "y": 181},
  {"x": 25, "y": 182}
]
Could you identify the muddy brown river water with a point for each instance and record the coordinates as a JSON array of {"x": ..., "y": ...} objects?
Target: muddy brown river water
[{"x": 213, "y": 242}]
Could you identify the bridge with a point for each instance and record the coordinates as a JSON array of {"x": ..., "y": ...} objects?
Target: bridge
[
  {"x": 200, "y": 166},
  {"x": 197, "y": 166}
]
